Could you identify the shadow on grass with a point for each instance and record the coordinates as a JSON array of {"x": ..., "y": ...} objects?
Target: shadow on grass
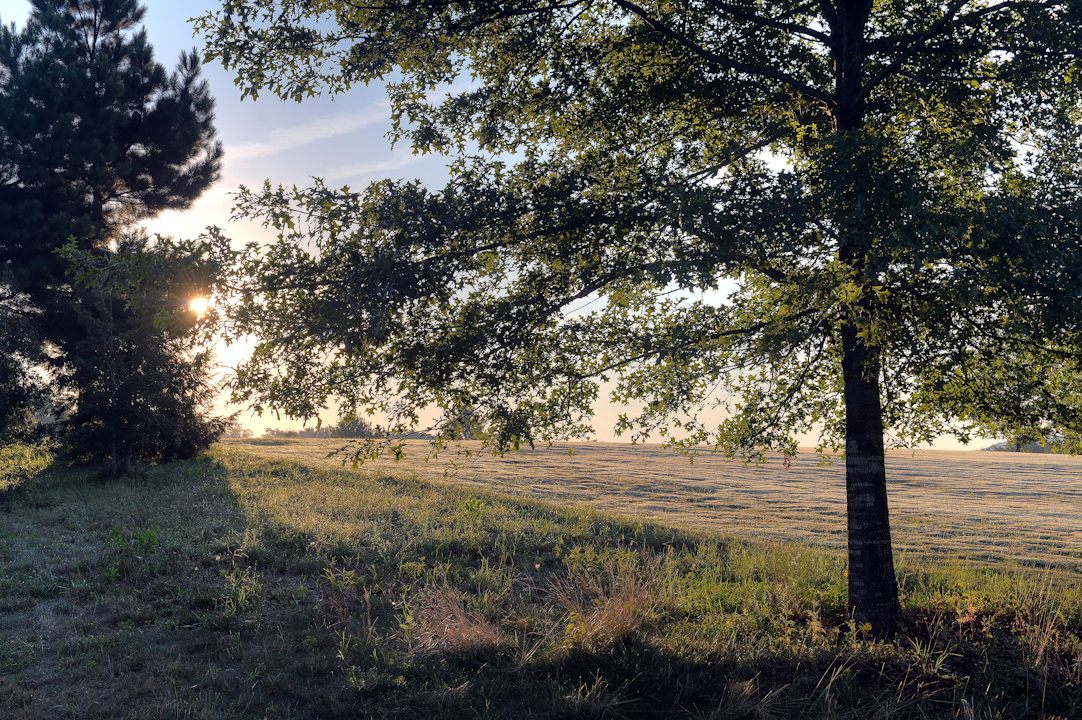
[{"x": 234, "y": 587}]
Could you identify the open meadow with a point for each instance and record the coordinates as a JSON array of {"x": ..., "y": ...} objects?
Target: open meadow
[
  {"x": 989, "y": 507},
  {"x": 264, "y": 580}
]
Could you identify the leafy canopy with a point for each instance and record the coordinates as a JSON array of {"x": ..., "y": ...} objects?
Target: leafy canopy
[{"x": 892, "y": 182}]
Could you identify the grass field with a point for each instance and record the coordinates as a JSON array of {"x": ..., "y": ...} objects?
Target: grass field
[
  {"x": 263, "y": 581},
  {"x": 989, "y": 507}
]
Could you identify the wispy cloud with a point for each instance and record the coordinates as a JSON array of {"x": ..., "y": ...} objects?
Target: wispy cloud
[
  {"x": 320, "y": 128},
  {"x": 361, "y": 170}
]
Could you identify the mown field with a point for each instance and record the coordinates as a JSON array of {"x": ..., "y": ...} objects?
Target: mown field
[
  {"x": 990, "y": 507},
  {"x": 242, "y": 585}
]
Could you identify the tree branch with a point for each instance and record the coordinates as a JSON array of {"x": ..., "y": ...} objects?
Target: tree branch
[
  {"x": 761, "y": 21},
  {"x": 713, "y": 336},
  {"x": 912, "y": 50},
  {"x": 721, "y": 60}
]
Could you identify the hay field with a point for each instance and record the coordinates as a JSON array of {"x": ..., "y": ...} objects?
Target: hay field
[{"x": 984, "y": 506}]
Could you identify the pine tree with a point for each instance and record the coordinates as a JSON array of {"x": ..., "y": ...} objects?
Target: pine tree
[{"x": 95, "y": 135}]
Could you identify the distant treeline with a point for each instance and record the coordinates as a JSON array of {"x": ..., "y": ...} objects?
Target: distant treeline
[
  {"x": 356, "y": 428},
  {"x": 1058, "y": 447}
]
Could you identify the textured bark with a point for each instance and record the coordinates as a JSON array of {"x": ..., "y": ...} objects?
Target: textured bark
[{"x": 873, "y": 588}]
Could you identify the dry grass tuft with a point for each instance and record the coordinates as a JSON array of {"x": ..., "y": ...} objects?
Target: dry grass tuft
[
  {"x": 745, "y": 701},
  {"x": 442, "y": 624},
  {"x": 605, "y": 608},
  {"x": 597, "y": 699}
]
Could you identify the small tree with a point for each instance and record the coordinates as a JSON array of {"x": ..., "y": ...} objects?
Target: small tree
[{"x": 139, "y": 386}]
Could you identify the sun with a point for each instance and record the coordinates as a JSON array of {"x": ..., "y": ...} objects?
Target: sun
[{"x": 199, "y": 305}]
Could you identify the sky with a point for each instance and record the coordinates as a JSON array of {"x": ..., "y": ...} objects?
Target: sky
[{"x": 340, "y": 139}]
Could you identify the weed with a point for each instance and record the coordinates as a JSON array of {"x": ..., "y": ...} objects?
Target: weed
[
  {"x": 597, "y": 699},
  {"x": 933, "y": 652},
  {"x": 243, "y": 591},
  {"x": 146, "y": 540},
  {"x": 10, "y": 660},
  {"x": 603, "y": 609},
  {"x": 745, "y": 700},
  {"x": 473, "y": 506},
  {"x": 341, "y": 580}
]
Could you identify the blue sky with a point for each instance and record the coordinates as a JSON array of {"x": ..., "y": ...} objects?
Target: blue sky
[{"x": 341, "y": 139}]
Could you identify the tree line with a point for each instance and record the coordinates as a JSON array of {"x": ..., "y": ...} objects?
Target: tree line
[{"x": 346, "y": 428}]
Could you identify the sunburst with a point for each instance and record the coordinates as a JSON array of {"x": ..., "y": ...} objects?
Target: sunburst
[{"x": 199, "y": 305}]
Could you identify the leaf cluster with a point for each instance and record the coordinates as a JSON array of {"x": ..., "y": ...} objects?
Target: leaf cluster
[{"x": 138, "y": 380}]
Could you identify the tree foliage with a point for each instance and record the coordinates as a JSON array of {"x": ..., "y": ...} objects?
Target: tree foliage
[
  {"x": 95, "y": 135},
  {"x": 840, "y": 216},
  {"x": 22, "y": 390},
  {"x": 138, "y": 378}
]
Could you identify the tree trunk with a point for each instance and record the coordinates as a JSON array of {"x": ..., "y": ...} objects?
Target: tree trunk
[{"x": 873, "y": 588}]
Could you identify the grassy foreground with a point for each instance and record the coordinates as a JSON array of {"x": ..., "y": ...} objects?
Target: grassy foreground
[{"x": 239, "y": 587}]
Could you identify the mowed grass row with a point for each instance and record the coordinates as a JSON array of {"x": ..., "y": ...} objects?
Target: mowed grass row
[{"x": 240, "y": 587}]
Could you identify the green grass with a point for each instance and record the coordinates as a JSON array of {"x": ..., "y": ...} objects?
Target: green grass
[{"x": 238, "y": 587}]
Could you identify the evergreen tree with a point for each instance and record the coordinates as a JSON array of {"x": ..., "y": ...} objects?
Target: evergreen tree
[
  {"x": 95, "y": 135},
  {"x": 138, "y": 380}
]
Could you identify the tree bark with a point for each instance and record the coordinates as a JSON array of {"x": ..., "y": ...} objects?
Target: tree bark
[{"x": 873, "y": 587}]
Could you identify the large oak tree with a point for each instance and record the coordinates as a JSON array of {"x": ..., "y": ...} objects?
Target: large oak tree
[{"x": 885, "y": 196}]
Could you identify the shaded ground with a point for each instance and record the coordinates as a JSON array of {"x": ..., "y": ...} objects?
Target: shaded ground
[{"x": 243, "y": 587}]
